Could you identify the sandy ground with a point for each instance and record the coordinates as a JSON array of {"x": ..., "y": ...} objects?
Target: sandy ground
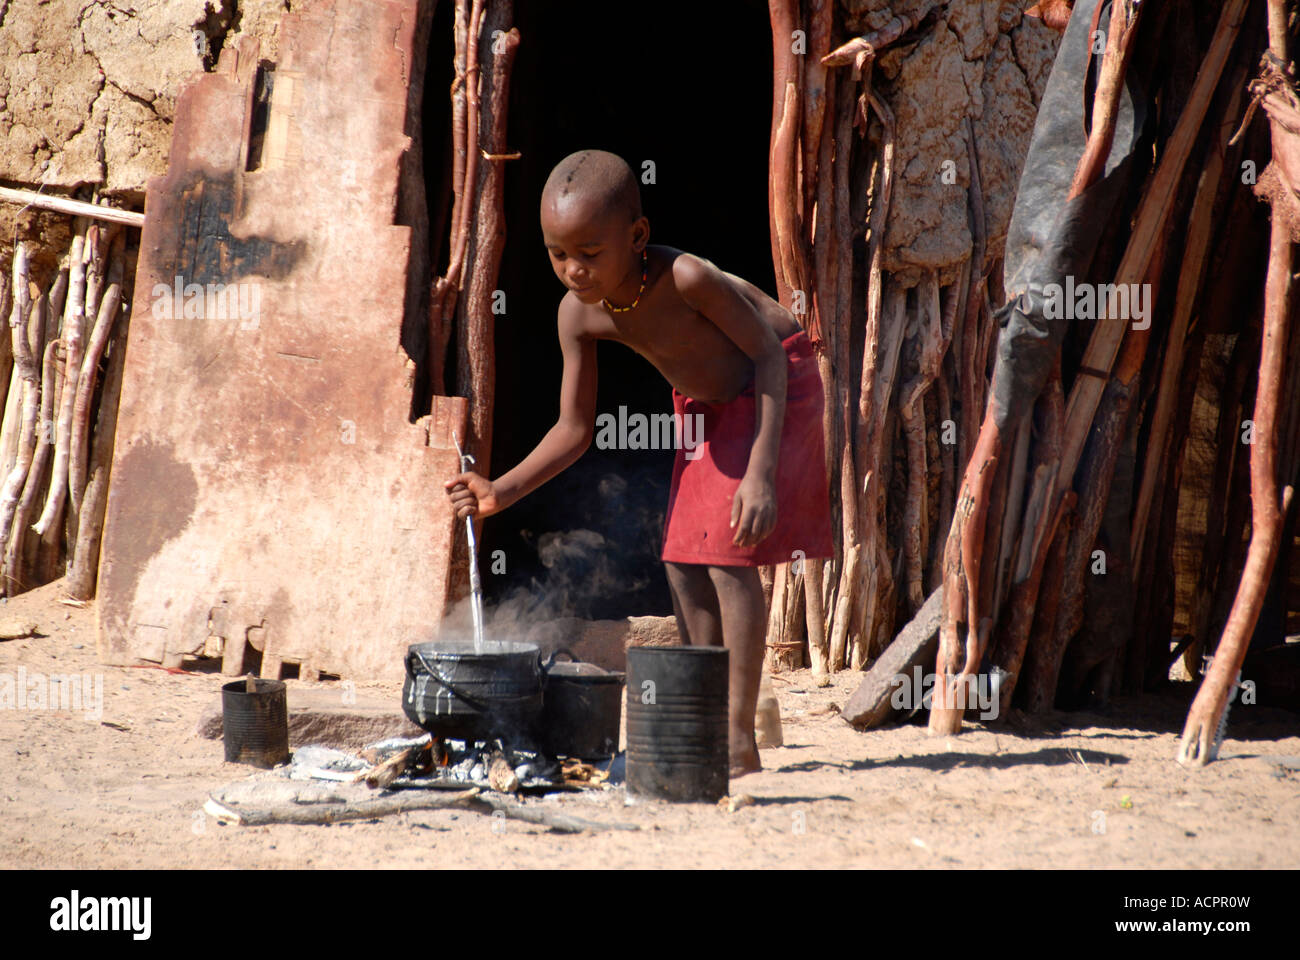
[{"x": 1069, "y": 790}]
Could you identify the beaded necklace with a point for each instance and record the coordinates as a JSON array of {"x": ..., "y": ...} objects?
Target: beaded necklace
[{"x": 645, "y": 272}]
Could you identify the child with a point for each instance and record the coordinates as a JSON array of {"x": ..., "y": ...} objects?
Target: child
[{"x": 751, "y": 493}]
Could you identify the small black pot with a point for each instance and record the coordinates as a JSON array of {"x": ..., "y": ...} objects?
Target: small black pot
[
  {"x": 255, "y": 726},
  {"x": 581, "y": 709}
]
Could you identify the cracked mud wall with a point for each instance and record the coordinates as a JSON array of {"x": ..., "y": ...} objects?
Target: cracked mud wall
[
  {"x": 978, "y": 58},
  {"x": 88, "y": 90}
]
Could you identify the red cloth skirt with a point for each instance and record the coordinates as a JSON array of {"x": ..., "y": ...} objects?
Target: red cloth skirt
[{"x": 697, "y": 528}]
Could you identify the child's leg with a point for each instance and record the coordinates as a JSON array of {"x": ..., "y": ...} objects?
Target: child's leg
[
  {"x": 744, "y": 630},
  {"x": 725, "y": 604},
  {"x": 695, "y": 602}
]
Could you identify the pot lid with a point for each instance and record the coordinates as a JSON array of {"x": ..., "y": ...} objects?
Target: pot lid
[{"x": 577, "y": 670}]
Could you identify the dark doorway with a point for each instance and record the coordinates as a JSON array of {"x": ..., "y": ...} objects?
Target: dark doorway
[{"x": 687, "y": 86}]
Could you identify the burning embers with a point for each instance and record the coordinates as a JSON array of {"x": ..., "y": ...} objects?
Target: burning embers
[
  {"x": 438, "y": 761},
  {"x": 434, "y": 763}
]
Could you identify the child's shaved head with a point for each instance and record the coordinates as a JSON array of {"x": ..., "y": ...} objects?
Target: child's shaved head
[{"x": 596, "y": 176}]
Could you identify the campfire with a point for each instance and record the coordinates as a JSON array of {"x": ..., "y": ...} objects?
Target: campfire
[{"x": 434, "y": 763}]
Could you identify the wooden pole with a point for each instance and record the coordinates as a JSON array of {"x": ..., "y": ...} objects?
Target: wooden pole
[
  {"x": 476, "y": 365},
  {"x": 1202, "y": 731},
  {"x": 76, "y": 208}
]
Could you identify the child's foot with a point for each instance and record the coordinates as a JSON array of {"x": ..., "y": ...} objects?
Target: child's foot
[{"x": 744, "y": 759}]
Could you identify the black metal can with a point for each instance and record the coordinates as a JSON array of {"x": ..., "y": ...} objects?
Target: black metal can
[
  {"x": 677, "y": 745},
  {"x": 255, "y": 725}
]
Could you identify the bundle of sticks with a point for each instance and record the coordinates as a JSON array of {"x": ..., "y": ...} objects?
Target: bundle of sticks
[
  {"x": 902, "y": 396},
  {"x": 55, "y": 454},
  {"x": 1052, "y": 533}
]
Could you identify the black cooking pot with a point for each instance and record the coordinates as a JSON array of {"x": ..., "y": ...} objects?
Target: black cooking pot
[
  {"x": 454, "y": 691},
  {"x": 580, "y": 710}
]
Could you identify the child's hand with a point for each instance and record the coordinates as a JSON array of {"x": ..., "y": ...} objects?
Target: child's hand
[
  {"x": 753, "y": 510},
  {"x": 472, "y": 494}
]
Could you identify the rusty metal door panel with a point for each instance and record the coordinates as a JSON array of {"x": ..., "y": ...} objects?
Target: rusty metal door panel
[{"x": 267, "y": 485}]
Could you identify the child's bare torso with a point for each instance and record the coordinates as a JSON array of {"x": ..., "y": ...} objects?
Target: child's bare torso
[{"x": 691, "y": 351}]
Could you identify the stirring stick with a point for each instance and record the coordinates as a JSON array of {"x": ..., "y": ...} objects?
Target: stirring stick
[{"x": 475, "y": 585}]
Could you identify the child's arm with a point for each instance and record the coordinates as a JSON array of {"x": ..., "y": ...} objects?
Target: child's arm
[
  {"x": 702, "y": 286},
  {"x": 563, "y": 444}
]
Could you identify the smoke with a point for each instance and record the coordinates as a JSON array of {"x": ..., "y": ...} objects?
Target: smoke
[{"x": 585, "y": 573}]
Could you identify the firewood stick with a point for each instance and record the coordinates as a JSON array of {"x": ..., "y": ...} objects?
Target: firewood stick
[
  {"x": 1219, "y": 515},
  {"x": 774, "y": 632},
  {"x": 815, "y": 617},
  {"x": 1012, "y": 514},
  {"x": 59, "y": 292},
  {"x": 1158, "y": 550},
  {"x": 783, "y": 137},
  {"x": 971, "y": 369},
  {"x": 914, "y": 507},
  {"x": 25, "y": 369},
  {"x": 874, "y": 626},
  {"x": 85, "y": 558},
  {"x": 12, "y": 421},
  {"x": 501, "y": 776},
  {"x": 1097, "y": 472},
  {"x": 1110, "y": 83},
  {"x": 16, "y": 578},
  {"x": 1201, "y": 732},
  {"x": 840, "y": 600},
  {"x": 19, "y": 561},
  {"x": 85, "y": 389},
  {"x": 871, "y": 43},
  {"x": 460, "y": 148},
  {"x": 928, "y": 367},
  {"x": 947, "y": 485},
  {"x": 94, "y": 255},
  {"x": 1191, "y": 272},
  {"x": 794, "y": 616},
  {"x": 49, "y": 546},
  {"x": 1199, "y": 744},
  {"x": 824, "y": 308},
  {"x": 76, "y": 208},
  {"x": 11, "y": 425},
  {"x": 784, "y": 190},
  {"x": 1151, "y": 221},
  {"x": 816, "y": 100},
  {"x": 338, "y": 812},
  {"x": 1040, "y": 682},
  {"x": 386, "y": 771},
  {"x": 881, "y": 346},
  {"x": 825, "y": 275},
  {"x": 552, "y": 820},
  {"x": 6, "y": 343},
  {"x": 468, "y": 196},
  {"x": 961, "y": 580},
  {"x": 464, "y": 125},
  {"x": 1010, "y": 654},
  {"x": 475, "y": 343},
  {"x": 73, "y": 324}
]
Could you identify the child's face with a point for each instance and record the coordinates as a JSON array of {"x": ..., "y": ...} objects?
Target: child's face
[{"x": 592, "y": 251}]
